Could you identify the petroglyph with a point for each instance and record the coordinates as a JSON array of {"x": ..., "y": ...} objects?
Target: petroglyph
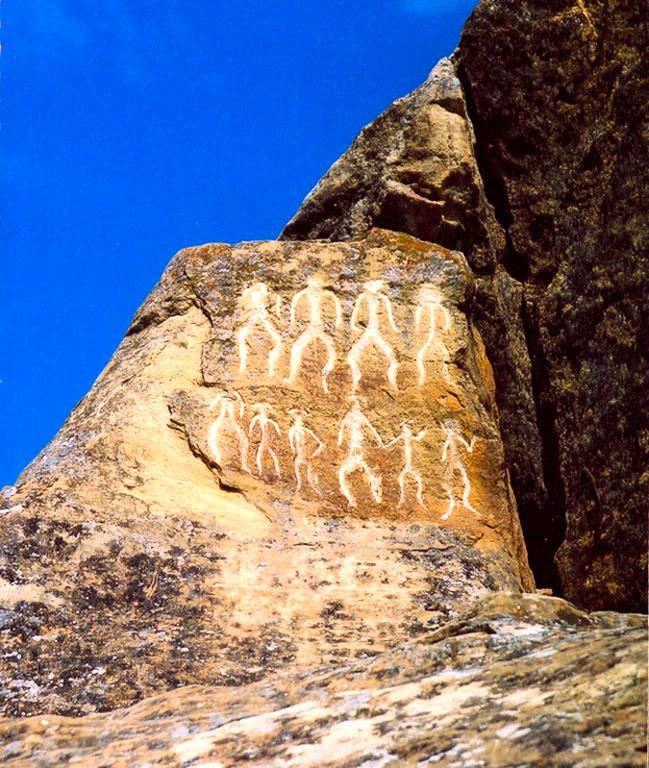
[
  {"x": 408, "y": 469},
  {"x": 256, "y": 300},
  {"x": 298, "y": 437},
  {"x": 373, "y": 297},
  {"x": 262, "y": 421},
  {"x": 454, "y": 463},
  {"x": 227, "y": 425},
  {"x": 431, "y": 311},
  {"x": 315, "y": 297},
  {"x": 353, "y": 425}
]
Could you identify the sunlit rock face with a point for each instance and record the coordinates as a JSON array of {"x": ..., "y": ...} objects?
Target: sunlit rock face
[
  {"x": 529, "y": 152},
  {"x": 293, "y": 458}
]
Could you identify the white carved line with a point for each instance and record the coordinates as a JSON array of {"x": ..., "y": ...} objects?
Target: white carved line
[
  {"x": 373, "y": 298},
  {"x": 408, "y": 469},
  {"x": 258, "y": 321},
  {"x": 264, "y": 423},
  {"x": 316, "y": 297},
  {"x": 450, "y": 454},
  {"x": 298, "y": 436},
  {"x": 352, "y": 425},
  {"x": 429, "y": 309},
  {"x": 227, "y": 416}
]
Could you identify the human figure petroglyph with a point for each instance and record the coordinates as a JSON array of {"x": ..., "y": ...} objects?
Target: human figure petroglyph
[
  {"x": 262, "y": 421},
  {"x": 225, "y": 422},
  {"x": 353, "y": 425},
  {"x": 451, "y": 455},
  {"x": 373, "y": 297},
  {"x": 316, "y": 298},
  {"x": 408, "y": 438},
  {"x": 256, "y": 300},
  {"x": 298, "y": 438},
  {"x": 431, "y": 308}
]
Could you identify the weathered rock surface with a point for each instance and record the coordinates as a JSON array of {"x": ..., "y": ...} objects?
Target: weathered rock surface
[
  {"x": 560, "y": 106},
  {"x": 549, "y": 204},
  {"x": 292, "y": 459},
  {"x": 520, "y": 680},
  {"x": 414, "y": 170}
]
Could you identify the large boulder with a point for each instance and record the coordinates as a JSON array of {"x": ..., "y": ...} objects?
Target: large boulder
[
  {"x": 530, "y": 152},
  {"x": 293, "y": 458}
]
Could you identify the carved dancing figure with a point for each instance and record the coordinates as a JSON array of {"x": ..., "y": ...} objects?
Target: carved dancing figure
[
  {"x": 298, "y": 436},
  {"x": 408, "y": 439},
  {"x": 315, "y": 296},
  {"x": 430, "y": 307},
  {"x": 373, "y": 296},
  {"x": 255, "y": 300},
  {"x": 262, "y": 420},
  {"x": 451, "y": 455},
  {"x": 353, "y": 424},
  {"x": 227, "y": 420}
]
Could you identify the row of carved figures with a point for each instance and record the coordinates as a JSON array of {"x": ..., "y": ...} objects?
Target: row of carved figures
[
  {"x": 317, "y": 303},
  {"x": 305, "y": 445}
]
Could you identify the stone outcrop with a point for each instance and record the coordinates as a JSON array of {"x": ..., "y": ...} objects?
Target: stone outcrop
[
  {"x": 294, "y": 441},
  {"x": 279, "y": 530},
  {"x": 548, "y": 200},
  {"x": 521, "y": 680},
  {"x": 559, "y": 98}
]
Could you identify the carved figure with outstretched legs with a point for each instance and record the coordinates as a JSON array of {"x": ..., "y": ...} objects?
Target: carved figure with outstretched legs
[
  {"x": 226, "y": 423},
  {"x": 454, "y": 463},
  {"x": 262, "y": 421},
  {"x": 315, "y": 298},
  {"x": 299, "y": 437},
  {"x": 372, "y": 299},
  {"x": 432, "y": 312},
  {"x": 408, "y": 470},
  {"x": 258, "y": 322},
  {"x": 353, "y": 426}
]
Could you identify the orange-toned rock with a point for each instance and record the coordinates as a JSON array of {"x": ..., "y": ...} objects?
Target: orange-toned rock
[{"x": 292, "y": 459}]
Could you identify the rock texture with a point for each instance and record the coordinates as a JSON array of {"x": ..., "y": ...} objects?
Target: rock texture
[
  {"x": 559, "y": 96},
  {"x": 279, "y": 530},
  {"x": 548, "y": 200},
  {"x": 521, "y": 680},
  {"x": 292, "y": 459}
]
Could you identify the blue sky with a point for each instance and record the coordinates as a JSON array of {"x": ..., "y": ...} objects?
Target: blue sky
[{"x": 131, "y": 129}]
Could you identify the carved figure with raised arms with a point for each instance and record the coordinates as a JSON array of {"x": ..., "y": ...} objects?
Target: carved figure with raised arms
[{"x": 408, "y": 438}]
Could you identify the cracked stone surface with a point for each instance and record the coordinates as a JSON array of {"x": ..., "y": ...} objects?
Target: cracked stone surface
[{"x": 519, "y": 680}]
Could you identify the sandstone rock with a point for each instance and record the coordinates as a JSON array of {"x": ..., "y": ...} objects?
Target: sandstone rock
[
  {"x": 519, "y": 680},
  {"x": 414, "y": 170},
  {"x": 292, "y": 459},
  {"x": 549, "y": 204}
]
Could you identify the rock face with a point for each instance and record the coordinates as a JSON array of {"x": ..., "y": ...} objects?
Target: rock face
[
  {"x": 548, "y": 200},
  {"x": 294, "y": 441},
  {"x": 559, "y": 98},
  {"x": 521, "y": 680},
  {"x": 283, "y": 512}
]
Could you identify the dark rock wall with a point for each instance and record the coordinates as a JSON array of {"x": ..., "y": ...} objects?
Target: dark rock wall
[
  {"x": 558, "y": 93},
  {"x": 548, "y": 200}
]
